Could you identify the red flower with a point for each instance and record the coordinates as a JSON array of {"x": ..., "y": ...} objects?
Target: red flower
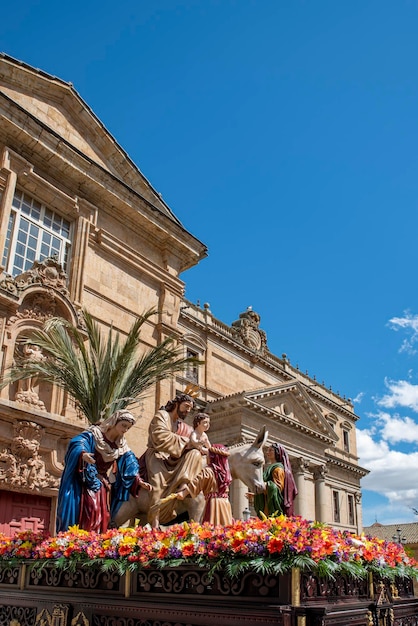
[
  {"x": 275, "y": 544},
  {"x": 187, "y": 549},
  {"x": 162, "y": 552}
]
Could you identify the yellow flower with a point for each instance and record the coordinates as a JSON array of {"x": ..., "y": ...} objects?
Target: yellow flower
[
  {"x": 76, "y": 530},
  {"x": 128, "y": 541}
]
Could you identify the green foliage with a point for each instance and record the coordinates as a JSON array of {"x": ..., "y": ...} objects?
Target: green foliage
[{"x": 101, "y": 373}]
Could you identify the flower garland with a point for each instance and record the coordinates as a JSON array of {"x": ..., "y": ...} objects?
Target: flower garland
[{"x": 273, "y": 545}]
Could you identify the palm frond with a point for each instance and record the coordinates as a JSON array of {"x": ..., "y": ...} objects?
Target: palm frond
[{"x": 102, "y": 374}]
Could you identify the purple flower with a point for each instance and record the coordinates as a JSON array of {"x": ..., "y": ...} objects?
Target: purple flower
[{"x": 175, "y": 553}]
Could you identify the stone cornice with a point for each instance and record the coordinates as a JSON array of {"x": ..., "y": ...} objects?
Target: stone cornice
[
  {"x": 132, "y": 258},
  {"x": 55, "y": 424},
  {"x": 232, "y": 402},
  {"x": 284, "y": 419},
  {"x": 280, "y": 366},
  {"x": 64, "y": 97},
  {"x": 97, "y": 184},
  {"x": 349, "y": 467}
]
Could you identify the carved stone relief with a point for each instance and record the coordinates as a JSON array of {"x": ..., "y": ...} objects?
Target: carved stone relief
[
  {"x": 320, "y": 472},
  {"x": 26, "y": 389},
  {"x": 48, "y": 272},
  {"x": 21, "y": 465},
  {"x": 246, "y": 330},
  {"x": 301, "y": 465}
]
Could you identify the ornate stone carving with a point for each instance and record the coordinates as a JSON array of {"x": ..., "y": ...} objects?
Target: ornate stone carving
[
  {"x": 26, "y": 388},
  {"x": 21, "y": 465},
  {"x": 39, "y": 306},
  {"x": 48, "y": 273},
  {"x": 300, "y": 465},
  {"x": 320, "y": 472},
  {"x": 246, "y": 330},
  {"x": 8, "y": 284}
]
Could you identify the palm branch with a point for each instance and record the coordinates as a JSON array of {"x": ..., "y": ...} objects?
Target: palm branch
[{"x": 102, "y": 374}]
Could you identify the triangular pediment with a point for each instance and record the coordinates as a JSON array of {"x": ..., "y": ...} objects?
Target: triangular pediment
[
  {"x": 58, "y": 107},
  {"x": 290, "y": 403}
]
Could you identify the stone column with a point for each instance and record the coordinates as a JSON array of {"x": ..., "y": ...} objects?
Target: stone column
[
  {"x": 239, "y": 500},
  {"x": 301, "y": 466},
  {"x": 321, "y": 512}
]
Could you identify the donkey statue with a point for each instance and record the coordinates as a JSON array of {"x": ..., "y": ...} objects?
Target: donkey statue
[{"x": 246, "y": 462}]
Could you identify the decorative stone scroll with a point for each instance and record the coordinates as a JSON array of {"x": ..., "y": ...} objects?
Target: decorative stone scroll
[{"x": 48, "y": 273}]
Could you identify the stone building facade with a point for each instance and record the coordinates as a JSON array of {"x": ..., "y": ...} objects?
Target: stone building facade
[{"x": 81, "y": 227}]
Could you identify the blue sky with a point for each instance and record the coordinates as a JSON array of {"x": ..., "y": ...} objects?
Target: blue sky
[{"x": 283, "y": 135}]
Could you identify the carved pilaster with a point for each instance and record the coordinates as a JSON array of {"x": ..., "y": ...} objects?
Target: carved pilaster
[
  {"x": 320, "y": 472},
  {"x": 7, "y": 189},
  {"x": 79, "y": 257}
]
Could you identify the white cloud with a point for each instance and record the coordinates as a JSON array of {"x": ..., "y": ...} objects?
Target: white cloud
[
  {"x": 359, "y": 397},
  {"x": 393, "y": 470},
  {"x": 410, "y": 324},
  {"x": 386, "y": 512},
  {"x": 392, "y": 473},
  {"x": 396, "y": 428},
  {"x": 401, "y": 393}
]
